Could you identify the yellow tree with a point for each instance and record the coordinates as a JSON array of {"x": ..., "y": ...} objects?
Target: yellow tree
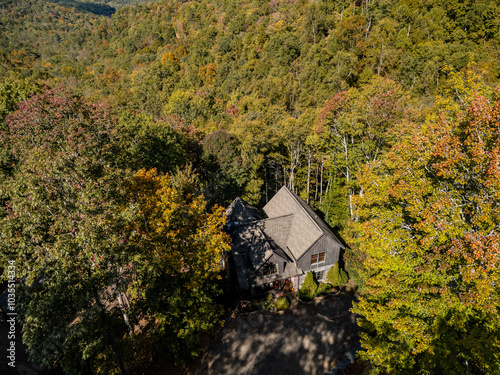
[{"x": 179, "y": 255}]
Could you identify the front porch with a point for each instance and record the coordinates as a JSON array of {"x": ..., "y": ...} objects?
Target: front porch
[{"x": 277, "y": 288}]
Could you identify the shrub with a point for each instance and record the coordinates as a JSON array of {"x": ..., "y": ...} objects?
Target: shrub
[
  {"x": 323, "y": 289},
  {"x": 337, "y": 276},
  {"x": 343, "y": 277},
  {"x": 282, "y": 303},
  {"x": 264, "y": 303},
  {"x": 333, "y": 275},
  {"x": 309, "y": 287},
  {"x": 306, "y": 295}
]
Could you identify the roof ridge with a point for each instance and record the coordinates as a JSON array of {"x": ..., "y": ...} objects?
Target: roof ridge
[
  {"x": 276, "y": 217},
  {"x": 296, "y": 198},
  {"x": 329, "y": 231}
]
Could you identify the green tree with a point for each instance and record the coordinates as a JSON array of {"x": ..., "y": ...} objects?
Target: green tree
[
  {"x": 150, "y": 143},
  {"x": 226, "y": 173},
  {"x": 62, "y": 223},
  {"x": 308, "y": 289},
  {"x": 356, "y": 125},
  {"x": 336, "y": 276}
]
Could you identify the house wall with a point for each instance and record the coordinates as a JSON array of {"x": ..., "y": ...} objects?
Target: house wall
[
  {"x": 260, "y": 279},
  {"x": 279, "y": 260},
  {"x": 326, "y": 244},
  {"x": 300, "y": 279}
]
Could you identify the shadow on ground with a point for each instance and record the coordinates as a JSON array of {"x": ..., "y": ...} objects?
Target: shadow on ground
[{"x": 307, "y": 339}]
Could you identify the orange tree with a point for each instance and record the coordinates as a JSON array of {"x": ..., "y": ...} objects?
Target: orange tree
[{"x": 428, "y": 232}]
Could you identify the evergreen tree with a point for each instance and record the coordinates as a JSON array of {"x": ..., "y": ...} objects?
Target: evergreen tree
[
  {"x": 308, "y": 289},
  {"x": 337, "y": 276}
]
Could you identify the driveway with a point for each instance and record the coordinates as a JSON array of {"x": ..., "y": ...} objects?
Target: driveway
[{"x": 306, "y": 339}]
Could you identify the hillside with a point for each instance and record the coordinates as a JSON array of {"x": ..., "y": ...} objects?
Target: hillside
[
  {"x": 237, "y": 98},
  {"x": 250, "y": 68}
]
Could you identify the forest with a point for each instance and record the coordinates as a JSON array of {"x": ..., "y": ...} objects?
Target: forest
[{"x": 127, "y": 126}]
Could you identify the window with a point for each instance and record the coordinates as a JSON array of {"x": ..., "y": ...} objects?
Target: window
[
  {"x": 269, "y": 269},
  {"x": 317, "y": 258},
  {"x": 319, "y": 275}
]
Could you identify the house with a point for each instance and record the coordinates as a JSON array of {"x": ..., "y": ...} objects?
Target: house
[{"x": 290, "y": 242}]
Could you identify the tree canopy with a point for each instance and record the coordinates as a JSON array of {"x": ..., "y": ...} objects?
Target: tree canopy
[
  {"x": 88, "y": 234},
  {"x": 429, "y": 231},
  {"x": 62, "y": 220},
  {"x": 116, "y": 115}
]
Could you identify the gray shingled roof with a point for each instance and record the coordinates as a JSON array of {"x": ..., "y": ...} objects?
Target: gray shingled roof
[
  {"x": 250, "y": 240},
  {"x": 304, "y": 231},
  {"x": 241, "y": 212},
  {"x": 278, "y": 228},
  {"x": 291, "y": 229},
  {"x": 314, "y": 216}
]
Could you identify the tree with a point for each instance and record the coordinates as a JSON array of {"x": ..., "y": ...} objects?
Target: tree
[
  {"x": 180, "y": 251},
  {"x": 62, "y": 219},
  {"x": 308, "y": 289},
  {"x": 150, "y": 143},
  {"x": 335, "y": 204},
  {"x": 336, "y": 276},
  {"x": 12, "y": 92},
  {"x": 356, "y": 125},
  {"x": 429, "y": 232},
  {"x": 101, "y": 251},
  {"x": 226, "y": 172}
]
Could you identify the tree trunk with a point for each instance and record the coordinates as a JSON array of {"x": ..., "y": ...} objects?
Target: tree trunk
[
  {"x": 295, "y": 153},
  {"x": 309, "y": 162},
  {"x": 316, "y": 175},
  {"x": 109, "y": 337},
  {"x": 124, "y": 314},
  {"x": 321, "y": 183}
]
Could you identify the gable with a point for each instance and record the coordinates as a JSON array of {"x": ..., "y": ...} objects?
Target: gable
[
  {"x": 240, "y": 212},
  {"x": 325, "y": 245},
  {"x": 303, "y": 232},
  {"x": 278, "y": 229}
]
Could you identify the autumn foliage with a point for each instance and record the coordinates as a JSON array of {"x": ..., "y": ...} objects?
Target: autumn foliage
[
  {"x": 108, "y": 259},
  {"x": 180, "y": 251},
  {"x": 62, "y": 222},
  {"x": 429, "y": 231}
]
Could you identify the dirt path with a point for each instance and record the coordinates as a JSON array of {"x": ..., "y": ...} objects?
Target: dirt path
[{"x": 307, "y": 339}]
